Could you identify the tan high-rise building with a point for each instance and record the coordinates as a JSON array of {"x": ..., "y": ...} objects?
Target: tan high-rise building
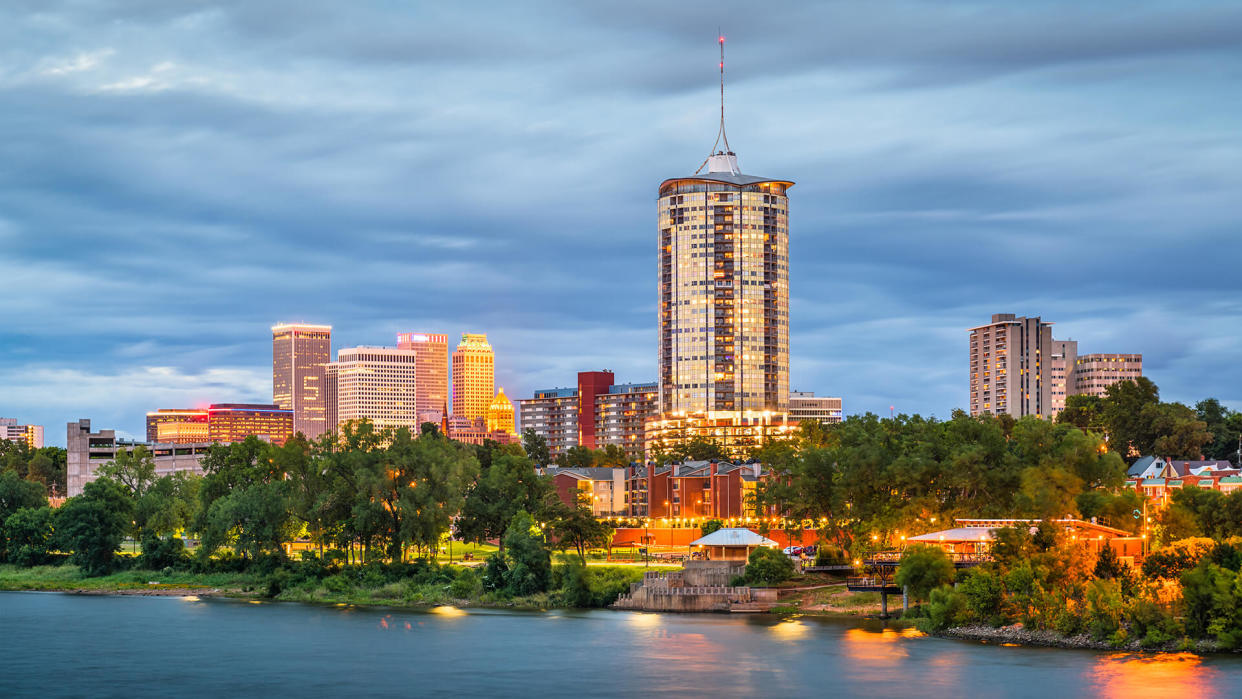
[
  {"x": 433, "y": 376},
  {"x": 1010, "y": 367},
  {"x": 1061, "y": 373},
  {"x": 500, "y": 414},
  {"x": 723, "y": 278},
  {"x": 1093, "y": 373},
  {"x": 299, "y": 353},
  {"x": 31, "y": 435},
  {"x": 379, "y": 384},
  {"x": 474, "y": 376}
]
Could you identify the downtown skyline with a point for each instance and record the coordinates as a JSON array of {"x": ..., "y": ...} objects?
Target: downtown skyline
[{"x": 170, "y": 203}]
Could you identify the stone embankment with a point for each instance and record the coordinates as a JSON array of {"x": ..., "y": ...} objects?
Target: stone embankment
[
  {"x": 1017, "y": 634},
  {"x": 700, "y": 587}
]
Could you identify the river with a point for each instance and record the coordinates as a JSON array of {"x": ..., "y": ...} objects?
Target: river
[{"x": 55, "y": 644}]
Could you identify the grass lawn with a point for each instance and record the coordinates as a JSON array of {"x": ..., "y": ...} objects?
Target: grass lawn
[{"x": 67, "y": 577}]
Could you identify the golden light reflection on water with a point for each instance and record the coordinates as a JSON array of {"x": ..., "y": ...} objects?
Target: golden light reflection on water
[
  {"x": 1168, "y": 674},
  {"x": 872, "y": 648},
  {"x": 448, "y": 610},
  {"x": 189, "y": 598},
  {"x": 790, "y": 630}
]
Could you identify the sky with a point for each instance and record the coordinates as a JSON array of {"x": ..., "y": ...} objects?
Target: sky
[{"x": 175, "y": 178}]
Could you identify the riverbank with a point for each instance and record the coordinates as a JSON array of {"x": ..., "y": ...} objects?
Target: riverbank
[{"x": 1017, "y": 635}]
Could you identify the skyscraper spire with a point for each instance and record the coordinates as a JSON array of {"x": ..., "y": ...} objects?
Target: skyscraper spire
[{"x": 721, "y": 160}]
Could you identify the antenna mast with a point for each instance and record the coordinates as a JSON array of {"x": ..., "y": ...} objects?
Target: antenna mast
[{"x": 720, "y": 135}]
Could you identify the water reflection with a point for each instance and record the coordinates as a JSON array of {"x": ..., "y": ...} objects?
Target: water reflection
[
  {"x": 790, "y": 630},
  {"x": 1171, "y": 674},
  {"x": 876, "y": 649}
]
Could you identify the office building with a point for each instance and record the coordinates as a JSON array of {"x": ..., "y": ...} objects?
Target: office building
[
  {"x": 1061, "y": 373},
  {"x": 1010, "y": 367},
  {"x": 379, "y": 384},
  {"x": 432, "y": 370},
  {"x": 1093, "y": 373},
  {"x": 500, "y": 414},
  {"x": 234, "y": 422},
  {"x": 299, "y": 353},
  {"x": 31, "y": 435},
  {"x": 178, "y": 425},
  {"x": 474, "y": 376},
  {"x": 805, "y": 405}
]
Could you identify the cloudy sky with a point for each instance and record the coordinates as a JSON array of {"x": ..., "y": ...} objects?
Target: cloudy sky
[{"x": 176, "y": 177}]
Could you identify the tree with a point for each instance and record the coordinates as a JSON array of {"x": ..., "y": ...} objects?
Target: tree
[
  {"x": 243, "y": 500},
  {"x": 768, "y": 566},
  {"x": 536, "y": 447},
  {"x": 1177, "y": 431},
  {"x": 28, "y": 534},
  {"x": 16, "y": 494},
  {"x": 509, "y": 485},
  {"x": 710, "y": 526},
  {"x": 133, "y": 470},
  {"x": 578, "y": 528},
  {"x": 93, "y": 524},
  {"x": 530, "y": 563},
  {"x": 1224, "y": 425},
  {"x": 1082, "y": 411},
  {"x": 1121, "y": 414},
  {"x": 923, "y": 569}
]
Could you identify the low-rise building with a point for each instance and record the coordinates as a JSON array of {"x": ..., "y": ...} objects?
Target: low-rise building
[
  {"x": 475, "y": 431},
  {"x": 693, "y": 490},
  {"x": 602, "y": 488},
  {"x": 805, "y": 405},
  {"x": 86, "y": 451},
  {"x": 220, "y": 422}
]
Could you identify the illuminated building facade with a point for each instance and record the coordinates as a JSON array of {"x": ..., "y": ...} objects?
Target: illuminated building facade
[
  {"x": 31, "y": 435},
  {"x": 1061, "y": 373},
  {"x": 553, "y": 415},
  {"x": 738, "y": 433},
  {"x": 1010, "y": 363},
  {"x": 621, "y": 415},
  {"x": 234, "y": 422},
  {"x": 1093, "y": 373},
  {"x": 433, "y": 375},
  {"x": 299, "y": 353},
  {"x": 476, "y": 431},
  {"x": 500, "y": 414},
  {"x": 805, "y": 405},
  {"x": 617, "y": 412},
  {"x": 474, "y": 376},
  {"x": 178, "y": 426},
  {"x": 693, "y": 490},
  {"x": 379, "y": 384}
]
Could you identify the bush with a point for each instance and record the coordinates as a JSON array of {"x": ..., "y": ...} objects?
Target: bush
[
  {"x": 768, "y": 566},
  {"x": 831, "y": 555},
  {"x": 1151, "y": 624},
  {"x": 983, "y": 594},
  {"x": 531, "y": 569},
  {"x": 28, "y": 532},
  {"x": 1104, "y": 608},
  {"x": 946, "y": 608},
  {"x": 710, "y": 526},
  {"x": 496, "y": 574},
  {"x": 160, "y": 553},
  {"x": 923, "y": 569},
  {"x": 467, "y": 584}
]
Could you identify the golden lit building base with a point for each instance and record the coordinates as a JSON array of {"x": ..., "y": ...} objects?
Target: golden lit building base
[{"x": 738, "y": 432}]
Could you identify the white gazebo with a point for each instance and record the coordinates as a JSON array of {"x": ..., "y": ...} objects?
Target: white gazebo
[{"x": 733, "y": 544}]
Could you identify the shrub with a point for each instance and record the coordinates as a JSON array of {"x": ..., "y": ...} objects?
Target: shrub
[
  {"x": 466, "y": 585},
  {"x": 768, "y": 566},
  {"x": 29, "y": 535},
  {"x": 710, "y": 526},
  {"x": 983, "y": 593},
  {"x": 923, "y": 569},
  {"x": 1104, "y": 608},
  {"x": 947, "y": 607},
  {"x": 1151, "y": 624},
  {"x": 496, "y": 574},
  {"x": 160, "y": 553},
  {"x": 531, "y": 569}
]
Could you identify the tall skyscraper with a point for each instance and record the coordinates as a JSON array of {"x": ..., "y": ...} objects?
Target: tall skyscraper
[
  {"x": 474, "y": 377},
  {"x": 299, "y": 353},
  {"x": 1011, "y": 367},
  {"x": 379, "y": 384},
  {"x": 433, "y": 375},
  {"x": 723, "y": 287}
]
